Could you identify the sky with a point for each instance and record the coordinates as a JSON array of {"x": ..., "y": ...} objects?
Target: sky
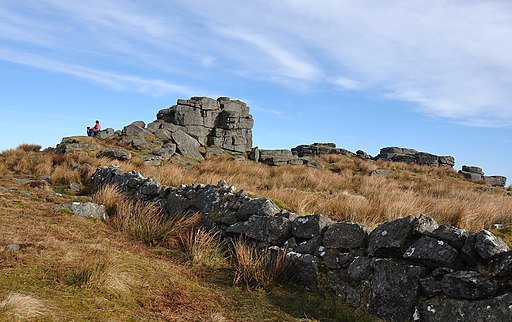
[{"x": 431, "y": 75}]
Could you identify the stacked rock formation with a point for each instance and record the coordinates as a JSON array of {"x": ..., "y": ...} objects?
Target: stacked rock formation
[
  {"x": 412, "y": 156},
  {"x": 280, "y": 157},
  {"x": 318, "y": 149},
  {"x": 223, "y": 122},
  {"x": 476, "y": 174},
  {"x": 405, "y": 267},
  {"x": 195, "y": 128}
]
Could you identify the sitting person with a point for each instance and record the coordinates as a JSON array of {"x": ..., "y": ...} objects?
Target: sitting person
[{"x": 93, "y": 131}]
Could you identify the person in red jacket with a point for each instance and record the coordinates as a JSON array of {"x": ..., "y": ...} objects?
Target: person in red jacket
[{"x": 93, "y": 131}]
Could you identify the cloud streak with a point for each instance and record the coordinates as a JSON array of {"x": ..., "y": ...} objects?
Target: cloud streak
[
  {"x": 120, "y": 82},
  {"x": 449, "y": 59}
]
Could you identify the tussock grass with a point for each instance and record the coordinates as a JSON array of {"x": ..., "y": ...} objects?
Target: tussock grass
[
  {"x": 20, "y": 307},
  {"x": 259, "y": 268},
  {"x": 341, "y": 190},
  {"x": 203, "y": 248},
  {"x": 145, "y": 222},
  {"x": 28, "y": 147},
  {"x": 109, "y": 196}
]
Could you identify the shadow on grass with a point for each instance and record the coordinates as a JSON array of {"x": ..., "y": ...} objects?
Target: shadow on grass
[{"x": 284, "y": 303}]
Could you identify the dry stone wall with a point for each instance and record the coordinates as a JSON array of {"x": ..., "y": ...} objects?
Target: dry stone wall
[{"x": 408, "y": 268}]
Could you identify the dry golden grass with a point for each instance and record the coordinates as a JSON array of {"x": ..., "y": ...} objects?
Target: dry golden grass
[
  {"x": 109, "y": 196},
  {"x": 256, "y": 268},
  {"x": 145, "y": 222},
  {"x": 342, "y": 190},
  {"x": 20, "y": 307},
  {"x": 203, "y": 248}
]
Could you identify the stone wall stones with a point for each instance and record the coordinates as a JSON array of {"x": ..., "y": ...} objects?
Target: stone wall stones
[{"x": 404, "y": 267}]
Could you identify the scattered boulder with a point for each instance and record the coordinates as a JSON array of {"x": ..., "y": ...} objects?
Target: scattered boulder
[
  {"x": 77, "y": 143},
  {"x": 12, "y": 247},
  {"x": 106, "y": 133},
  {"x": 472, "y": 169},
  {"x": 496, "y": 181},
  {"x": 116, "y": 154},
  {"x": 85, "y": 209},
  {"x": 363, "y": 155},
  {"x": 136, "y": 129},
  {"x": 380, "y": 173},
  {"x": 276, "y": 157}
]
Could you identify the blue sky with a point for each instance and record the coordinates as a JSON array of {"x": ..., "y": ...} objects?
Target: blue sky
[{"x": 431, "y": 75}]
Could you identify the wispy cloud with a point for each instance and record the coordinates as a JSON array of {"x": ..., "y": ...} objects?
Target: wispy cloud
[
  {"x": 121, "y": 82},
  {"x": 448, "y": 58},
  {"x": 451, "y": 59},
  {"x": 346, "y": 83},
  {"x": 281, "y": 61}
]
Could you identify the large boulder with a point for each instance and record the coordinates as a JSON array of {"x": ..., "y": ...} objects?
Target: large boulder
[
  {"x": 318, "y": 149},
  {"x": 397, "y": 154},
  {"x": 186, "y": 145},
  {"x": 77, "y": 143},
  {"x": 496, "y": 181},
  {"x": 276, "y": 157},
  {"x": 136, "y": 129}
]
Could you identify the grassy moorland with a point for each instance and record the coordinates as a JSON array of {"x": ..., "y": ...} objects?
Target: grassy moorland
[{"x": 135, "y": 267}]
